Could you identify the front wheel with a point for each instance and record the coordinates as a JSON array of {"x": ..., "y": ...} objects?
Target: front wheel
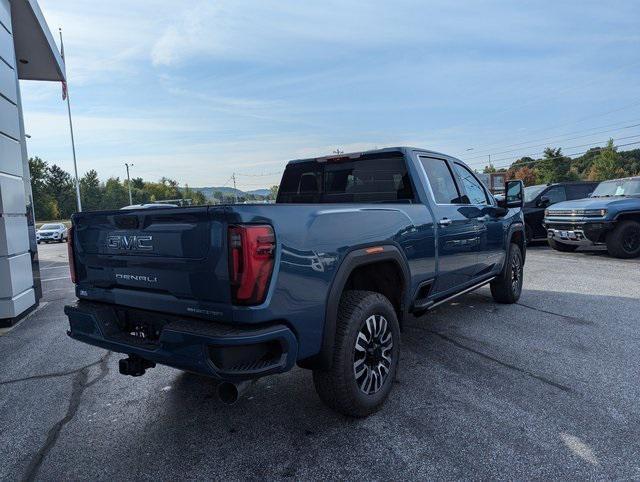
[
  {"x": 565, "y": 248},
  {"x": 624, "y": 241},
  {"x": 506, "y": 288},
  {"x": 365, "y": 358}
]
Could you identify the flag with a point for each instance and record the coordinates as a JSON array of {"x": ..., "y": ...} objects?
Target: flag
[{"x": 64, "y": 82}]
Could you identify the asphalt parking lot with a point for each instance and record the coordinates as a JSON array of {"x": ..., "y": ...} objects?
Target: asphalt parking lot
[{"x": 547, "y": 388}]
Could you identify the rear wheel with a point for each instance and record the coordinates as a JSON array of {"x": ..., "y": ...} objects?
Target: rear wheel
[
  {"x": 506, "y": 288},
  {"x": 365, "y": 357},
  {"x": 624, "y": 240},
  {"x": 565, "y": 248}
]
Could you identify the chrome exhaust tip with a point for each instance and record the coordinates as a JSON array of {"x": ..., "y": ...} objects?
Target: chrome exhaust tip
[{"x": 229, "y": 393}]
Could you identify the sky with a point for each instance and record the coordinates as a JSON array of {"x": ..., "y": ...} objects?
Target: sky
[{"x": 196, "y": 90}]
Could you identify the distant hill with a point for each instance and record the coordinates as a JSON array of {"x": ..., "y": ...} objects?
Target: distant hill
[
  {"x": 260, "y": 192},
  {"x": 229, "y": 191}
]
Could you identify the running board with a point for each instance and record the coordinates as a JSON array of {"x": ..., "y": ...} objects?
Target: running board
[{"x": 471, "y": 288}]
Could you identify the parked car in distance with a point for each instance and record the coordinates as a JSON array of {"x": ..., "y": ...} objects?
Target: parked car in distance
[
  {"x": 610, "y": 217},
  {"x": 54, "y": 232},
  {"x": 539, "y": 197},
  {"x": 324, "y": 278}
]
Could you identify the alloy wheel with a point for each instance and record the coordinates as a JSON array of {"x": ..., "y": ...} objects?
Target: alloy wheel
[
  {"x": 372, "y": 355},
  {"x": 516, "y": 275},
  {"x": 631, "y": 240}
]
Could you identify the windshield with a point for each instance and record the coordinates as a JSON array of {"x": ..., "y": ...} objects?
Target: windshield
[
  {"x": 618, "y": 187},
  {"x": 51, "y": 226},
  {"x": 531, "y": 192}
]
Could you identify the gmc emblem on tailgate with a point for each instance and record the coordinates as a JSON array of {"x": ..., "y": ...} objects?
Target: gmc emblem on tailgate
[{"x": 130, "y": 243}]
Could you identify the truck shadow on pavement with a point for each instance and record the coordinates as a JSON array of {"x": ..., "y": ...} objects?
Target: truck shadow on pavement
[{"x": 484, "y": 390}]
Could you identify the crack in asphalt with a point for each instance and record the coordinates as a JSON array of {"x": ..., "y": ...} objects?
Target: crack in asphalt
[
  {"x": 79, "y": 386},
  {"x": 541, "y": 378},
  {"x": 55, "y": 374},
  {"x": 574, "y": 319}
]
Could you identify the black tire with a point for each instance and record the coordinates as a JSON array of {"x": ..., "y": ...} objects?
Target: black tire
[
  {"x": 565, "y": 248},
  {"x": 507, "y": 287},
  {"x": 624, "y": 241},
  {"x": 344, "y": 389}
]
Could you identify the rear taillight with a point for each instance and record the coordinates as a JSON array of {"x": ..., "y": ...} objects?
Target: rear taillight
[
  {"x": 72, "y": 263},
  {"x": 251, "y": 253}
]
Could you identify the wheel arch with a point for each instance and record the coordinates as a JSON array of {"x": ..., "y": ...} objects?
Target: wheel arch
[
  {"x": 353, "y": 263},
  {"x": 518, "y": 236},
  {"x": 628, "y": 215}
]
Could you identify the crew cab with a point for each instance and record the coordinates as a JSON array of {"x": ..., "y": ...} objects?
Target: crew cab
[
  {"x": 609, "y": 217},
  {"x": 324, "y": 278}
]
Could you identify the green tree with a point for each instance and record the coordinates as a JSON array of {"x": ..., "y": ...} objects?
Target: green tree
[
  {"x": 606, "y": 165},
  {"x": 197, "y": 198},
  {"x": 43, "y": 203},
  {"x": 273, "y": 192},
  {"x": 554, "y": 167},
  {"x": 115, "y": 195},
  {"x": 90, "y": 191},
  {"x": 61, "y": 188}
]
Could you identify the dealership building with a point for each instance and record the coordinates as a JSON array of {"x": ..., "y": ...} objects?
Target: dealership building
[{"x": 27, "y": 51}]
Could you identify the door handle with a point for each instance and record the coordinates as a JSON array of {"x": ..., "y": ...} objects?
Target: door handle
[
  {"x": 444, "y": 222},
  {"x": 484, "y": 219}
]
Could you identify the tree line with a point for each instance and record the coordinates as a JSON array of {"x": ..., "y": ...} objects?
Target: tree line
[
  {"x": 54, "y": 193},
  {"x": 597, "y": 164}
]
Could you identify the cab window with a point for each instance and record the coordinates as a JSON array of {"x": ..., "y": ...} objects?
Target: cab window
[{"x": 441, "y": 180}]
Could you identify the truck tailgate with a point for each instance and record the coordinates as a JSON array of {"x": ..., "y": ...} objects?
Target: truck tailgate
[{"x": 151, "y": 258}]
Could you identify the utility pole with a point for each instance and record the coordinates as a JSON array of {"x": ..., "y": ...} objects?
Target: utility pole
[
  {"x": 129, "y": 183},
  {"x": 235, "y": 191}
]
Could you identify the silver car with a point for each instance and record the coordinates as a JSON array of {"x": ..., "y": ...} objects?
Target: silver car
[{"x": 52, "y": 232}]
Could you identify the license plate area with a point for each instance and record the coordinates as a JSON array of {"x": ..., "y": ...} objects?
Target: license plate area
[{"x": 136, "y": 327}]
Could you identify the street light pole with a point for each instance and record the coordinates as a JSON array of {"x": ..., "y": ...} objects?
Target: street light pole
[{"x": 129, "y": 183}]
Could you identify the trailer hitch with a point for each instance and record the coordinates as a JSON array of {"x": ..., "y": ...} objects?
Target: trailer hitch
[{"x": 134, "y": 365}]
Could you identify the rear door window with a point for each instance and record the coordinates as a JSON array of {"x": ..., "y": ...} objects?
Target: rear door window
[
  {"x": 441, "y": 180},
  {"x": 555, "y": 194},
  {"x": 579, "y": 191},
  {"x": 369, "y": 179}
]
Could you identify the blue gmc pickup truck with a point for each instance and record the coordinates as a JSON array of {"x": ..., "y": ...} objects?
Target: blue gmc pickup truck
[
  {"x": 323, "y": 279},
  {"x": 609, "y": 217}
]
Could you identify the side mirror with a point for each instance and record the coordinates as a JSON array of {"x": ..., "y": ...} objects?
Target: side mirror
[
  {"x": 513, "y": 195},
  {"x": 543, "y": 202}
]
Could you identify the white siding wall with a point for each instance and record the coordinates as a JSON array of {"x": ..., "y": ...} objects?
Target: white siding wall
[{"x": 16, "y": 276}]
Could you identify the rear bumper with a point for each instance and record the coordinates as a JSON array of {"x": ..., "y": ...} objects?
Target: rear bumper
[{"x": 224, "y": 352}]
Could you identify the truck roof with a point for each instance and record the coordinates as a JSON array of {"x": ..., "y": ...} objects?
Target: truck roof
[{"x": 356, "y": 154}]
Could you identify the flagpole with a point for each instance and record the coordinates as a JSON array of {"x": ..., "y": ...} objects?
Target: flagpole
[{"x": 73, "y": 144}]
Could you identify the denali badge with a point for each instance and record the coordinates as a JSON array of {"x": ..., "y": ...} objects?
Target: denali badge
[
  {"x": 130, "y": 243},
  {"x": 137, "y": 277}
]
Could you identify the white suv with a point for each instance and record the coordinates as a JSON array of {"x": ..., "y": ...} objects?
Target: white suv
[{"x": 52, "y": 232}]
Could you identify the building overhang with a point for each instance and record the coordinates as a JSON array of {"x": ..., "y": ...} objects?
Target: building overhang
[{"x": 37, "y": 55}]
